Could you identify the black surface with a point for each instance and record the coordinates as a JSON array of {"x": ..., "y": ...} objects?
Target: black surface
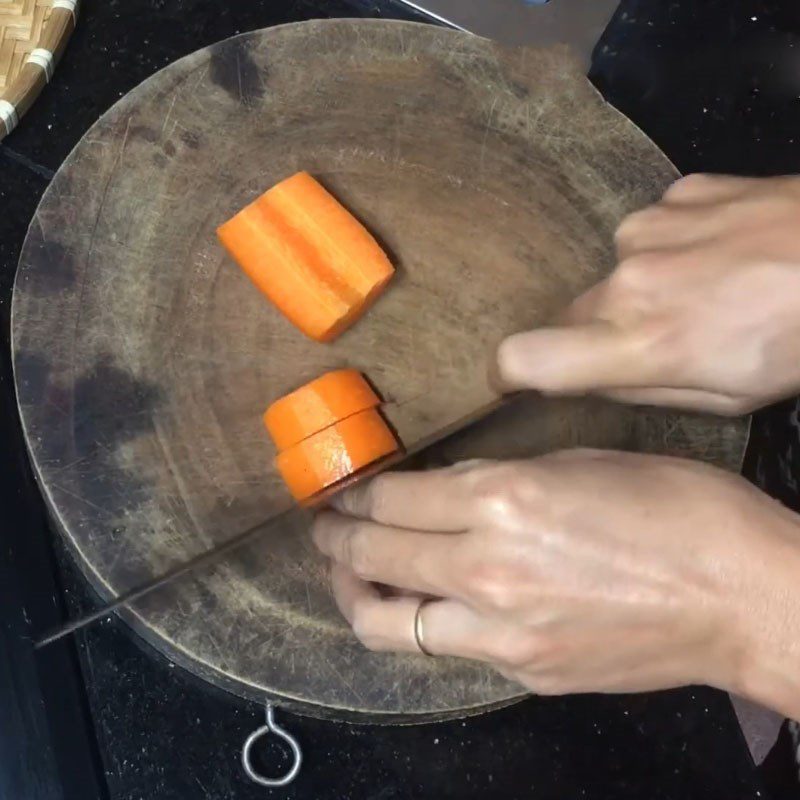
[{"x": 718, "y": 90}]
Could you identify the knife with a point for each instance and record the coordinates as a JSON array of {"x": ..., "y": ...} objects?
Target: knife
[
  {"x": 577, "y": 23},
  {"x": 239, "y": 540}
]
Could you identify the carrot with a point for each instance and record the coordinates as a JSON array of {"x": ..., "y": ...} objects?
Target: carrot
[
  {"x": 335, "y": 453},
  {"x": 318, "y": 405},
  {"x": 308, "y": 255}
]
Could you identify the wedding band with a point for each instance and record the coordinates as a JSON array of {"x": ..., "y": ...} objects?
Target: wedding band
[{"x": 419, "y": 636}]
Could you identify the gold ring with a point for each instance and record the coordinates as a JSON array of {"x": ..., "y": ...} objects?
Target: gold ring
[{"x": 418, "y": 633}]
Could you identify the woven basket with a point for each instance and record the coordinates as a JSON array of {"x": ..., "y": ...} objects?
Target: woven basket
[{"x": 33, "y": 35}]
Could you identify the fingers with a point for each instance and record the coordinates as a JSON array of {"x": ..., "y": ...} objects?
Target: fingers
[
  {"x": 419, "y": 562},
  {"x": 449, "y": 627},
  {"x": 589, "y": 352},
  {"x": 667, "y": 228},
  {"x": 693, "y": 210},
  {"x": 704, "y": 189},
  {"x": 380, "y": 624},
  {"x": 574, "y": 360},
  {"x": 435, "y": 500}
]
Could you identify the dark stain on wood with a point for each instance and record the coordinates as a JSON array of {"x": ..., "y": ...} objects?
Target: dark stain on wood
[
  {"x": 122, "y": 406},
  {"x": 143, "y": 132},
  {"x": 233, "y": 69},
  {"x": 32, "y": 374},
  {"x": 59, "y": 270},
  {"x": 190, "y": 139}
]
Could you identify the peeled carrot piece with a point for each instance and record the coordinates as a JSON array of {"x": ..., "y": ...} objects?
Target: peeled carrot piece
[
  {"x": 335, "y": 453},
  {"x": 309, "y": 255},
  {"x": 318, "y": 405}
]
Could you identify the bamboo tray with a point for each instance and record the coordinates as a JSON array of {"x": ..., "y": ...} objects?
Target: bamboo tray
[{"x": 33, "y": 35}]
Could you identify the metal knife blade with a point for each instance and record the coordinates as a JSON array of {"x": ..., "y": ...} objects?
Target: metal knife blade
[
  {"x": 206, "y": 558},
  {"x": 577, "y": 23},
  {"x": 216, "y": 553}
]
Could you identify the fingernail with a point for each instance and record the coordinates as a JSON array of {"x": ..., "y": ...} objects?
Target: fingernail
[{"x": 501, "y": 367}]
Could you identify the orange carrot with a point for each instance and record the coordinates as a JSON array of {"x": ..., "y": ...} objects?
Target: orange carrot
[
  {"x": 335, "y": 453},
  {"x": 308, "y": 255},
  {"x": 318, "y": 405}
]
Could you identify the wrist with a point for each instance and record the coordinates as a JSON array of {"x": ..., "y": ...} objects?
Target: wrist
[{"x": 767, "y": 622}]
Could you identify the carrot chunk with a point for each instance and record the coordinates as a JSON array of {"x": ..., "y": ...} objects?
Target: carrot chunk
[
  {"x": 309, "y": 255},
  {"x": 318, "y": 405},
  {"x": 335, "y": 453}
]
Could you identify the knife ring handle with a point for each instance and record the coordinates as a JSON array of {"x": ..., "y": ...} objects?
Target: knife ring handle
[{"x": 273, "y": 728}]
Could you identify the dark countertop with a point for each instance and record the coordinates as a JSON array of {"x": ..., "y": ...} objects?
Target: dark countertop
[{"x": 717, "y": 87}]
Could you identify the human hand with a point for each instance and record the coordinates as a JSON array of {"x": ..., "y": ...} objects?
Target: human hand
[
  {"x": 580, "y": 571},
  {"x": 702, "y": 312}
]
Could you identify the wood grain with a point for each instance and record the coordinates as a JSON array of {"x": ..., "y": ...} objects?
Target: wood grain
[{"x": 144, "y": 358}]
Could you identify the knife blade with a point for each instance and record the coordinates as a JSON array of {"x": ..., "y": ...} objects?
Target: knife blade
[
  {"x": 206, "y": 558},
  {"x": 577, "y": 23},
  {"x": 217, "y": 552}
]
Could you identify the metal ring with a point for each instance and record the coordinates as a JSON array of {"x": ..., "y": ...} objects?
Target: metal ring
[
  {"x": 275, "y": 729},
  {"x": 419, "y": 635}
]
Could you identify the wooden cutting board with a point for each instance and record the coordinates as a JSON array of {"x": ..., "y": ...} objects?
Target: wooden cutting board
[{"x": 144, "y": 358}]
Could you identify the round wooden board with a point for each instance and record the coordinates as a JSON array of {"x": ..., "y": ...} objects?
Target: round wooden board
[{"x": 144, "y": 358}]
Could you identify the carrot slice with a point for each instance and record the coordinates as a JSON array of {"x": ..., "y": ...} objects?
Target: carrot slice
[
  {"x": 309, "y": 255},
  {"x": 335, "y": 453},
  {"x": 318, "y": 405}
]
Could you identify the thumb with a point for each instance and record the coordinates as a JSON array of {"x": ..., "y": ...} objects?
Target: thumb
[{"x": 572, "y": 360}]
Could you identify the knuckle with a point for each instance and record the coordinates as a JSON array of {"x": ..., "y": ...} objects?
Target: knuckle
[
  {"x": 634, "y": 224},
  {"x": 357, "y": 553},
  {"x": 688, "y": 186},
  {"x": 636, "y": 271},
  {"x": 360, "y": 500},
  {"x": 373, "y": 499},
  {"x": 503, "y": 493},
  {"x": 349, "y": 501},
  {"x": 366, "y": 500}
]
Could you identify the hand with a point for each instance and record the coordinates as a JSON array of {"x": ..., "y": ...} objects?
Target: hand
[
  {"x": 581, "y": 571},
  {"x": 703, "y": 311}
]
